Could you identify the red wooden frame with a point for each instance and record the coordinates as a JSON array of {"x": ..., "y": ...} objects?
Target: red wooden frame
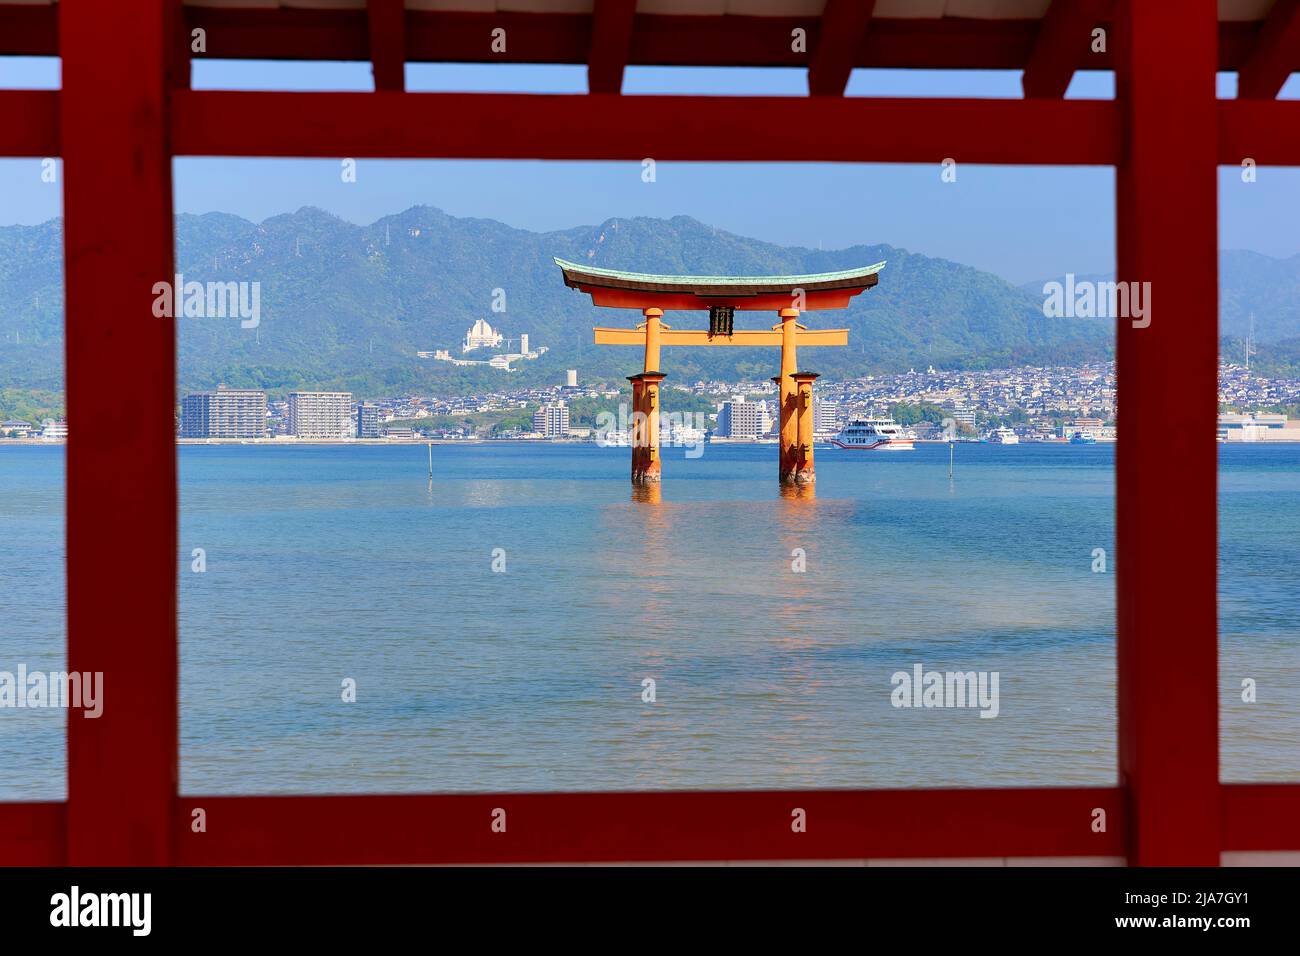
[{"x": 123, "y": 113}]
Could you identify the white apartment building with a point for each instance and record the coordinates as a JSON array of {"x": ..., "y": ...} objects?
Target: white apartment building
[
  {"x": 325, "y": 415},
  {"x": 739, "y": 418},
  {"x": 552, "y": 420},
  {"x": 826, "y": 417}
]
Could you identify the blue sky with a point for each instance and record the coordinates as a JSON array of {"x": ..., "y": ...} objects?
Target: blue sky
[{"x": 1023, "y": 223}]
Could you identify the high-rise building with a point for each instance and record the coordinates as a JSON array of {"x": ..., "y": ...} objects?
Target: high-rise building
[
  {"x": 368, "y": 421},
  {"x": 523, "y": 343},
  {"x": 552, "y": 420},
  {"x": 963, "y": 415},
  {"x": 225, "y": 413},
  {"x": 320, "y": 414},
  {"x": 826, "y": 416},
  {"x": 739, "y": 418}
]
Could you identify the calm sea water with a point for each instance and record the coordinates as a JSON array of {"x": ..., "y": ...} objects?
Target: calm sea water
[{"x": 327, "y": 564}]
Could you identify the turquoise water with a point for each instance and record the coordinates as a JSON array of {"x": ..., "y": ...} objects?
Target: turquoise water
[{"x": 327, "y": 564}]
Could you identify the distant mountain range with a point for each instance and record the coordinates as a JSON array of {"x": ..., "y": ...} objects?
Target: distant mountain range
[{"x": 349, "y": 306}]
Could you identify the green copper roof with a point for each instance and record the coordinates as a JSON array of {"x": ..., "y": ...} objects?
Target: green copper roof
[{"x": 575, "y": 274}]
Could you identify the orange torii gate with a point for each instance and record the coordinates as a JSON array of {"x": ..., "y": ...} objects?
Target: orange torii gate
[{"x": 788, "y": 296}]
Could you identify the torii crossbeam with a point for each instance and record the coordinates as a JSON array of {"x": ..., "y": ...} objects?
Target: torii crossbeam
[{"x": 722, "y": 296}]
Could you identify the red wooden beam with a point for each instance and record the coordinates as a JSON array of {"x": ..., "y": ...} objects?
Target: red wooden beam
[
  {"x": 843, "y": 26},
  {"x": 289, "y": 33},
  {"x": 32, "y": 834},
  {"x": 1261, "y": 816},
  {"x": 611, "y": 42},
  {"x": 28, "y": 30},
  {"x": 121, "y": 459},
  {"x": 1166, "y": 459},
  {"x": 1267, "y": 131},
  {"x": 599, "y": 127},
  {"x": 179, "y": 49},
  {"x": 386, "y": 27},
  {"x": 29, "y": 123},
  {"x": 463, "y": 37},
  {"x": 841, "y": 824},
  {"x": 1275, "y": 55},
  {"x": 1063, "y": 44}
]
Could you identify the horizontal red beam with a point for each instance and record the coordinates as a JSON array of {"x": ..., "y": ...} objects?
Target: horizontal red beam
[
  {"x": 605, "y": 127},
  {"x": 841, "y": 824},
  {"x": 29, "y": 123},
  {"x": 28, "y": 30},
  {"x": 1267, "y": 131},
  {"x": 32, "y": 834},
  {"x": 453, "y": 36},
  {"x": 878, "y": 824},
  {"x": 1261, "y": 816}
]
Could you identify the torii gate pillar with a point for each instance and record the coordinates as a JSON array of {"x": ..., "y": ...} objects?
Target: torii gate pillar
[
  {"x": 788, "y": 457},
  {"x": 804, "y": 473},
  {"x": 646, "y": 465}
]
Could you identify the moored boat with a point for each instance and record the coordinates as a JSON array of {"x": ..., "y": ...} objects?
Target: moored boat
[{"x": 874, "y": 434}]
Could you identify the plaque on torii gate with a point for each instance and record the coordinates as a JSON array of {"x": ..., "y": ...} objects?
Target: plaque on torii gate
[{"x": 722, "y": 297}]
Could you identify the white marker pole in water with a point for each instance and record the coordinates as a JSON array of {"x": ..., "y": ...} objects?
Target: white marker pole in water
[
  {"x": 950, "y": 443},
  {"x": 431, "y": 461}
]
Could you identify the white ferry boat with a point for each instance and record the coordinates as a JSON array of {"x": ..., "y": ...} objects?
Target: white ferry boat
[
  {"x": 874, "y": 434},
  {"x": 1004, "y": 436}
]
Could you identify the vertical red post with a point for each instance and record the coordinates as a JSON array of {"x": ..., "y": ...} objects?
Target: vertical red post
[
  {"x": 121, "y": 478},
  {"x": 1166, "y": 458}
]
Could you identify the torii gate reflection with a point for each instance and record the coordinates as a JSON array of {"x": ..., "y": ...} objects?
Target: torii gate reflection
[{"x": 788, "y": 296}]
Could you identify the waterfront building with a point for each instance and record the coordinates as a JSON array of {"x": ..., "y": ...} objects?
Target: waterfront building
[
  {"x": 368, "y": 421},
  {"x": 15, "y": 427},
  {"x": 1086, "y": 427},
  {"x": 739, "y": 418},
  {"x": 224, "y": 413},
  {"x": 481, "y": 335},
  {"x": 54, "y": 431},
  {"x": 826, "y": 417},
  {"x": 964, "y": 417},
  {"x": 320, "y": 414},
  {"x": 1257, "y": 426},
  {"x": 552, "y": 420}
]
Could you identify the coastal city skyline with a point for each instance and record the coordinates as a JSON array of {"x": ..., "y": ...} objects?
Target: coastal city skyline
[{"x": 1037, "y": 404}]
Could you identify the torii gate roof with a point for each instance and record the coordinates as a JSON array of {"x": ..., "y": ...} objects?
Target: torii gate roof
[{"x": 618, "y": 289}]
